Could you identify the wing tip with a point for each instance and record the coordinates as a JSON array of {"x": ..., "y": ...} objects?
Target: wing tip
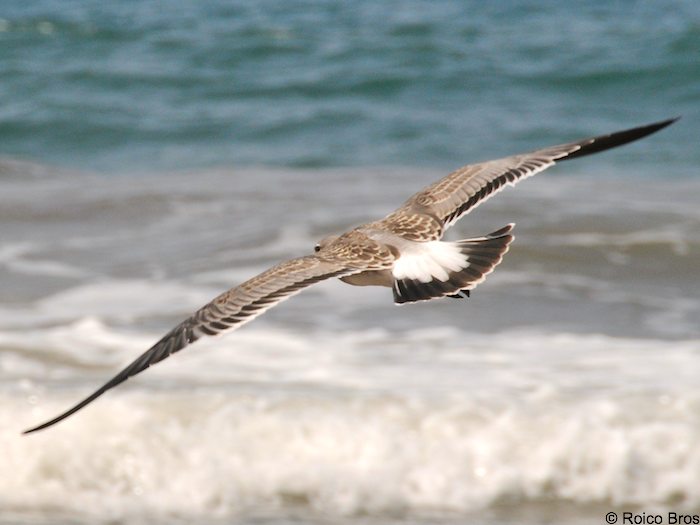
[
  {"x": 619, "y": 138},
  {"x": 39, "y": 427},
  {"x": 65, "y": 414}
]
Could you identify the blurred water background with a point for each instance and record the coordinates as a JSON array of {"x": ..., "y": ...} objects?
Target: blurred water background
[{"x": 153, "y": 154}]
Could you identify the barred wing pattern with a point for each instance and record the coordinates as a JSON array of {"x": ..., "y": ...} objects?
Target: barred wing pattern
[
  {"x": 448, "y": 199},
  {"x": 226, "y": 312}
]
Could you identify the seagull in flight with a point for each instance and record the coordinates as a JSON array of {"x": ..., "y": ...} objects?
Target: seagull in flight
[{"x": 402, "y": 251}]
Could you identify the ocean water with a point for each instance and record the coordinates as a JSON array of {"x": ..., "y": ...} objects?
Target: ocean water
[{"x": 155, "y": 154}]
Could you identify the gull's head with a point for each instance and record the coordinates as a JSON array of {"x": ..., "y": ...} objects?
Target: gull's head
[{"x": 325, "y": 242}]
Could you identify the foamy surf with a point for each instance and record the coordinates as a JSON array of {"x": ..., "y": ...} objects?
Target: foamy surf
[
  {"x": 351, "y": 424},
  {"x": 222, "y": 454}
]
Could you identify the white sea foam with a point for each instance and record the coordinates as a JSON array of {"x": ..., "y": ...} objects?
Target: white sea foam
[
  {"x": 676, "y": 238},
  {"x": 112, "y": 299},
  {"x": 375, "y": 422},
  {"x": 210, "y": 454},
  {"x": 13, "y": 257}
]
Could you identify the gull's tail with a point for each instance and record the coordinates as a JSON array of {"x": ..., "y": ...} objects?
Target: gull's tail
[{"x": 449, "y": 269}]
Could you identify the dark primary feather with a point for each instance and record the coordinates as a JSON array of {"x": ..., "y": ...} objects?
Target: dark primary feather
[
  {"x": 174, "y": 341},
  {"x": 612, "y": 140}
]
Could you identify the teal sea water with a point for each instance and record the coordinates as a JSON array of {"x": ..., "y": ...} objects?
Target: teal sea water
[
  {"x": 154, "y": 154},
  {"x": 148, "y": 86}
]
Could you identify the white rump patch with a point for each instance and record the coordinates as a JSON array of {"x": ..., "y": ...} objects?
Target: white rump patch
[{"x": 428, "y": 261}]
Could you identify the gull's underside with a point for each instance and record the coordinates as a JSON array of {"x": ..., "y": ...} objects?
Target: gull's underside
[{"x": 403, "y": 251}]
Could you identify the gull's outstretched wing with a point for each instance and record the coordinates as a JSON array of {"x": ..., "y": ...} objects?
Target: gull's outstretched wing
[
  {"x": 428, "y": 213},
  {"x": 227, "y": 312}
]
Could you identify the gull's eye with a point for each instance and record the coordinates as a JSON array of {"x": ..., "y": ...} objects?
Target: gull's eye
[{"x": 317, "y": 248}]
